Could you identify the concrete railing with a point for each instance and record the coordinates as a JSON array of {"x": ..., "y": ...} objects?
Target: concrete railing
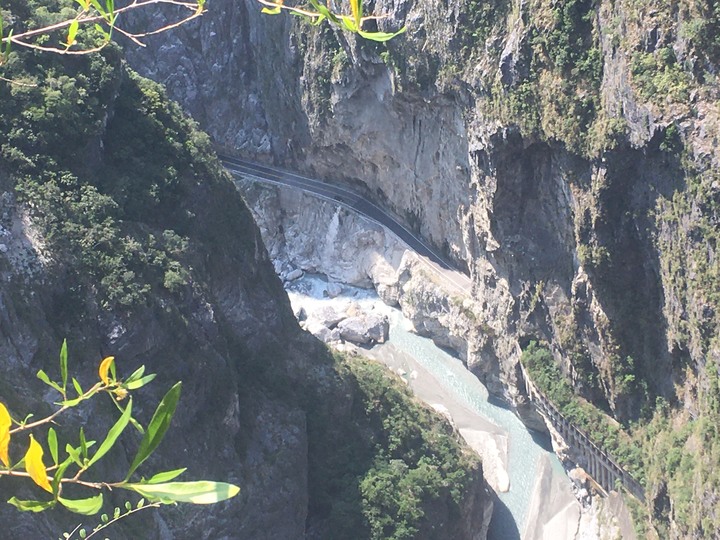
[{"x": 601, "y": 467}]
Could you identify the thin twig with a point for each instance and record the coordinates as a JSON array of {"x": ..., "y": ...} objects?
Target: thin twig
[
  {"x": 84, "y": 483},
  {"x": 121, "y": 516},
  {"x": 24, "y": 427},
  {"x": 96, "y": 18},
  {"x": 19, "y": 83},
  {"x": 84, "y": 18},
  {"x": 315, "y": 14}
]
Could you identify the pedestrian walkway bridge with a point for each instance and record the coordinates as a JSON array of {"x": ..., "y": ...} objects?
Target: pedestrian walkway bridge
[{"x": 602, "y": 468}]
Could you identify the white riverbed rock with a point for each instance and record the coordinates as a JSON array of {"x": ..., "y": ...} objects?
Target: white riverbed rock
[
  {"x": 328, "y": 316},
  {"x": 292, "y": 275},
  {"x": 365, "y": 329},
  {"x": 334, "y": 290},
  {"x": 319, "y": 330}
]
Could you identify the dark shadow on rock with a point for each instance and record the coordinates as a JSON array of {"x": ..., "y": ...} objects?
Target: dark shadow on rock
[
  {"x": 502, "y": 524},
  {"x": 499, "y": 402},
  {"x": 541, "y": 439}
]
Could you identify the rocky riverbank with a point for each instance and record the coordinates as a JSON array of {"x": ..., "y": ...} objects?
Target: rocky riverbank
[
  {"x": 366, "y": 255},
  {"x": 553, "y": 513},
  {"x": 355, "y": 251}
]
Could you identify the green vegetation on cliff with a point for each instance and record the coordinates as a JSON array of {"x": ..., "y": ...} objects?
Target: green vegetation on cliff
[
  {"x": 394, "y": 469},
  {"x": 600, "y": 427},
  {"x": 94, "y": 174}
]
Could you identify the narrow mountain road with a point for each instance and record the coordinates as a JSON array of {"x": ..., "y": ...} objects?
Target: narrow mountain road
[{"x": 357, "y": 203}]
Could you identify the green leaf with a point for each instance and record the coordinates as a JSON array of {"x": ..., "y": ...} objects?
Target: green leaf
[
  {"x": 71, "y": 402},
  {"x": 77, "y": 386},
  {"x": 157, "y": 427},
  {"x": 323, "y": 10},
  {"x": 142, "y": 381},
  {"x": 318, "y": 20},
  {"x": 100, "y": 29},
  {"x": 201, "y": 492},
  {"x": 72, "y": 33},
  {"x": 53, "y": 444},
  {"x": 59, "y": 474},
  {"x": 110, "y": 15},
  {"x": 349, "y": 23},
  {"x": 31, "y": 506},
  {"x": 83, "y": 443},
  {"x": 165, "y": 476},
  {"x": 113, "y": 434},
  {"x": 139, "y": 372},
  {"x": 273, "y": 11},
  {"x": 63, "y": 349},
  {"x": 74, "y": 454},
  {"x": 8, "y": 44},
  {"x": 44, "y": 378},
  {"x": 86, "y": 507},
  {"x": 134, "y": 422},
  {"x": 381, "y": 36}
]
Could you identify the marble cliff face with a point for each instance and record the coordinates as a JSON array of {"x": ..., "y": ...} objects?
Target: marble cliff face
[
  {"x": 144, "y": 250},
  {"x": 555, "y": 197},
  {"x": 565, "y": 156}
]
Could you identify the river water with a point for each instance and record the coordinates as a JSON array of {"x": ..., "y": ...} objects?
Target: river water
[{"x": 524, "y": 454}]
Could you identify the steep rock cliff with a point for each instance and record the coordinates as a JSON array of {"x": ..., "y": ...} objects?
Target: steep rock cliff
[
  {"x": 120, "y": 232},
  {"x": 565, "y": 153}
]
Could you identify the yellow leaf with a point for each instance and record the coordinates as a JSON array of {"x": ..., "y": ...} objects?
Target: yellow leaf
[
  {"x": 356, "y": 11},
  {"x": 5, "y": 423},
  {"x": 104, "y": 367},
  {"x": 72, "y": 32},
  {"x": 34, "y": 465}
]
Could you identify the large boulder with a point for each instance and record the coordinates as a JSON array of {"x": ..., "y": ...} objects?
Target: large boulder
[
  {"x": 328, "y": 316},
  {"x": 365, "y": 329}
]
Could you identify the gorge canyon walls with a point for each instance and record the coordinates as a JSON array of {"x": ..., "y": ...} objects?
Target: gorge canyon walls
[{"x": 564, "y": 154}]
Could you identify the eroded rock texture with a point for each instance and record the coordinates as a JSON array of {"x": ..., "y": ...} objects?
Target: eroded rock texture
[{"x": 564, "y": 153}]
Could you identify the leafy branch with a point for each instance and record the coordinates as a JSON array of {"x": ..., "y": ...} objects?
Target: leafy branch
[
  {"x": 102, "y": 18},
  {"x": 106, "y": 521},
  {"x": 317, "y": 12},
  {"x": 79, "y": 458}
]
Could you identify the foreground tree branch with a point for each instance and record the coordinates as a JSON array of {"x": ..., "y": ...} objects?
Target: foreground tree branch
[
  {"x": 100, "y": 21},
  {"x": 315, "y": 12}
]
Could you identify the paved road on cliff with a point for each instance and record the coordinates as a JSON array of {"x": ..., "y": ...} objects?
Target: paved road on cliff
[{"x": 354, "y": 201}]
